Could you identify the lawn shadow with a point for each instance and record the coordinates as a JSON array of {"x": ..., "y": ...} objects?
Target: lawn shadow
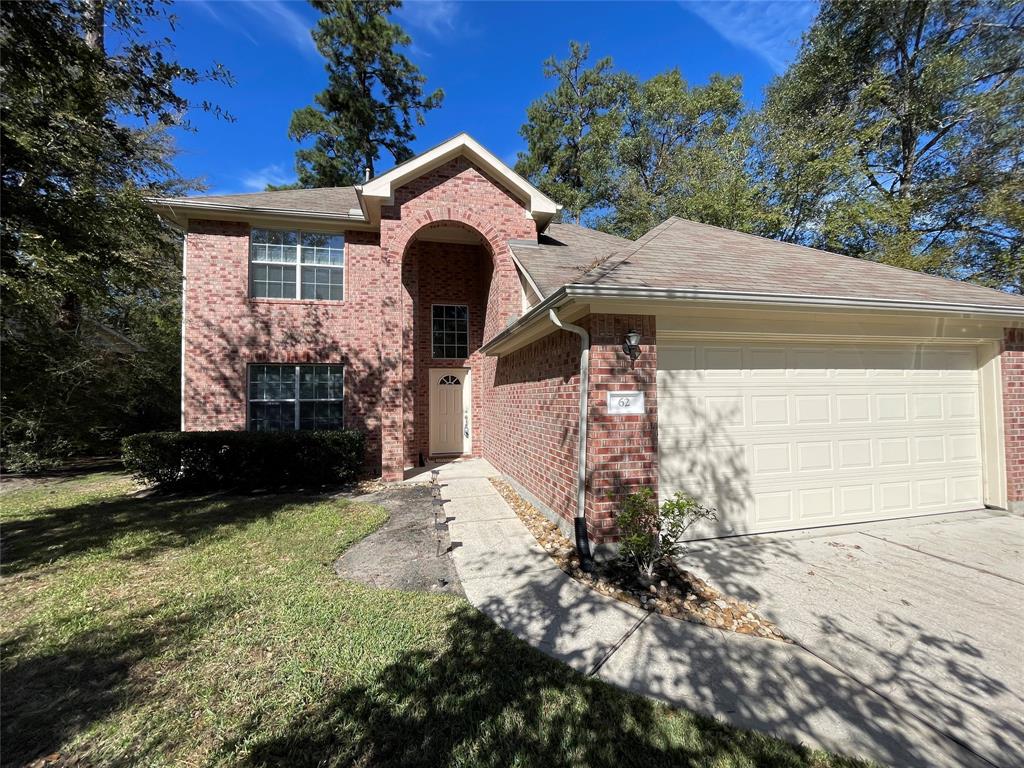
[
  {"x": 50, "y": 698},
  {"x": 487, "y": 699}
]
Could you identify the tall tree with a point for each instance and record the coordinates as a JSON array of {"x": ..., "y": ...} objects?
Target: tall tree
[
  {"x": 683, "y": 152},
  {"x": 571, "y": 131},
  {"x": 78, "y": 243},
  {"x": 374, "y": 97},
  {"x": 922, "y": 103}
]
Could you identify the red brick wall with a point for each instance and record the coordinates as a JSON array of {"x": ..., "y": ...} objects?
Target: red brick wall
[
  {"x": 533, "y": 411},
  {"x": 456, "y": 193},
  {"x": 442, "y": 273},
  {"x": 532, "y": 418},
  {"x": 226, "y": 330},
  {"x": 1013, "y": 415}
]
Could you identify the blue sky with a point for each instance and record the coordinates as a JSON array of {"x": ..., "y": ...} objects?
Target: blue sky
[{"x": 486, "y": 56}]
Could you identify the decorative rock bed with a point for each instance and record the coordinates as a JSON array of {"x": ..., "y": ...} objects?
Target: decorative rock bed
[{"x": 675, "y": 592}]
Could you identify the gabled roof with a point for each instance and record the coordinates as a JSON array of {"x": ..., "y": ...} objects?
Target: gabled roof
[
  {"x": 321, "y": 203},
  {"x": 564, "y": 254},
  {"x": 680, "y": 255},
  {"x": 381, "y": 189}
]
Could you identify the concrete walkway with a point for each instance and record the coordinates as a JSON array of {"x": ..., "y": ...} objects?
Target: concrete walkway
[{"x": 764, "y": 685}]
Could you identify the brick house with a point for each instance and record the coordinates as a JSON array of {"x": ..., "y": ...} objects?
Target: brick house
[{"x": 441, "y": 309}]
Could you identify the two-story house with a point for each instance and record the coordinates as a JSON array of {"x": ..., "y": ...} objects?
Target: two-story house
[{"x": 441, "y": 309}]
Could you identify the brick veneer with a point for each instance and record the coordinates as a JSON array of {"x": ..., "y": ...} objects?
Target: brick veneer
[
  {"x": 533, "y": 413},
  {"x": 1012, "y": 363},
  {"x": 226, "y": 330}
]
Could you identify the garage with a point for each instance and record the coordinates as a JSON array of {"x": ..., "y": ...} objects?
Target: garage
[{"x": 779, "y": 436}]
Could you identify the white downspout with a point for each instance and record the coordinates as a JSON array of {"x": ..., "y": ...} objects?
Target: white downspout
[{"x": 582, "y": 542}]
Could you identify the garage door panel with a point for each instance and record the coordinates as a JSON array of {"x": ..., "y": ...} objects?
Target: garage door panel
[{"x": 809, "y": 435}]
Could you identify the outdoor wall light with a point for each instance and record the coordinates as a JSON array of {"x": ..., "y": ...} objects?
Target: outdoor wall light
[{"x": 631, "y": 346}]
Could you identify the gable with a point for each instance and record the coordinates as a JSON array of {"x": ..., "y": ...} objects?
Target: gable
[{"x": 380, "y": 191}]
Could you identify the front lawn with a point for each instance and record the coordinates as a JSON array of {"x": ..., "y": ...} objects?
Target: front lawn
[{"x": 213, "y": 631}]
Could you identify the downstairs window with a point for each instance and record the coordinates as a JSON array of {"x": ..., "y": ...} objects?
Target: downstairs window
[{"x": 285, "y": 397}]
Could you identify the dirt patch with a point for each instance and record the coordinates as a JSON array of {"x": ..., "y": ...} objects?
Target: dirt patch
[
  {"x": 408, "y": 552},
  {"x": 675, "y": 592}
]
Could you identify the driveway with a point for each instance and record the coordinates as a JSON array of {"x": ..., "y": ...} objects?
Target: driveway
[{"x": 929, "y": 613}]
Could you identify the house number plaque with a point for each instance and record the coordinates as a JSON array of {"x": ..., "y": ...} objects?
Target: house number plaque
[{"x": 625, "y": 402}]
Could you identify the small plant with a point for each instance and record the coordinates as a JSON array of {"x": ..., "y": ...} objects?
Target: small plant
[{"x": 650, "y": 535}]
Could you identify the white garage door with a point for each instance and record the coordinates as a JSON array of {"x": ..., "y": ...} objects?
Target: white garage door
[{"x": 792, "y": 436}]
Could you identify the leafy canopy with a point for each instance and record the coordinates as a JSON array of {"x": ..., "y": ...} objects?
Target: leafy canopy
[{"x": 374, "y": 97}]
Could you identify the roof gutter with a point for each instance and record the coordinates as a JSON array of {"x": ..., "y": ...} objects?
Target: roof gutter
[
  {"x": 573, "y": 291},
  {"x": 788, "y": 299},
  {"x": 187, "y": 205}
]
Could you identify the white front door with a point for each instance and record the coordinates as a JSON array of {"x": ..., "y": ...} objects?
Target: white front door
[
  {"x": 447, "y": 400},
  {"x": 781, "y": 436}
]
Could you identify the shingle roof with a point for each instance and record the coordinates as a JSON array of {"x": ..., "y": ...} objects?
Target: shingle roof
[
  {"x": 681, "y": 254},
  {"x": 324, "y": 200},
  {"x": 565, "y": 252}
]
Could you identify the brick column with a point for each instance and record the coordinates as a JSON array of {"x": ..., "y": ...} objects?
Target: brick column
[
  {"x": 1012, "y": 363},
  {"x": 622, "y": 451}
]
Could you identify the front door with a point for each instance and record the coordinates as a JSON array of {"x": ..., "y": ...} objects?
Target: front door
[{"x": 447, "y": 396}]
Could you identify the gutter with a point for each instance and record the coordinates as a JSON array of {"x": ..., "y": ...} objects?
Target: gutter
[
  {"x": 188, "y": 205},
  {"x": 580, "y": 527},
  {"x": 575, "y": 291}
]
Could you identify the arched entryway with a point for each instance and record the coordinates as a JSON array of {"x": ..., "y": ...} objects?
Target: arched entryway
[{"x": 459, "y": 288}]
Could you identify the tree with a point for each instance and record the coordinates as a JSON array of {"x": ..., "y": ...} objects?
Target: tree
[
  {"x": 911, "y": 114},
  {"x": 83, "y": 142},
  {"x": 374, "y": 95},
  {"x": 571, "y": 131},
  {"x": 683, "y": 152}
]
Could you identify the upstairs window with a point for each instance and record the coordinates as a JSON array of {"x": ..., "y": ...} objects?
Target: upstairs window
[
  {"x": 449, "y": 326},
  {"x": 286, "y": 397},
  {"x": 286, "y": 264}
]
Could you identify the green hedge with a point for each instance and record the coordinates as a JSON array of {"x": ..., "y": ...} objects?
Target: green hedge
[{"x": 222, "y": 460}]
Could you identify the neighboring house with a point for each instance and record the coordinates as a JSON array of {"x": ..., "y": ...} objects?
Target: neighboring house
[{"x": 787, "y": 386}]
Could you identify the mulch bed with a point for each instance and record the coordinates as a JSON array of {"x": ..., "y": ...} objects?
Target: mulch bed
[{"x": 675, "y": 592}]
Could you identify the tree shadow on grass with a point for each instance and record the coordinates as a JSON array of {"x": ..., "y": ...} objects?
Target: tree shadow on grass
[
  {"x": 167, "y": 522},
  {"x": 490, "y": 700},
  {"x": 48, "y": 698}
]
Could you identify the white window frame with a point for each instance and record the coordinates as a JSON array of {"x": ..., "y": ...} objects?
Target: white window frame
[
  {"x": 432, "y": 355},
  {"x": 295, "y": 400},
  {"x": 298, "y": 264}
]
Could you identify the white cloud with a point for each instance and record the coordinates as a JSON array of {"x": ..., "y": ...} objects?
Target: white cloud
[
  {"x": 771, "y": 29},
  {"x": 278, "y": 17},
  {"x": 256, "y": 181},
  {"x": 434, "y": 16}
]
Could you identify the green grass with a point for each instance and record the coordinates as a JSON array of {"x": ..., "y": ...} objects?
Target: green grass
[{"x": 213, "y": 631}]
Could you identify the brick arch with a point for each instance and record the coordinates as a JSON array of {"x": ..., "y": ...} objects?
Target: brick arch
[{"x": 503, "y": 304}]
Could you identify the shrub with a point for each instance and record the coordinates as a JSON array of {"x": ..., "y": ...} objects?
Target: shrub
[
  {"x": 217, "y": 460},
  {"x": 649, "y": 534}
]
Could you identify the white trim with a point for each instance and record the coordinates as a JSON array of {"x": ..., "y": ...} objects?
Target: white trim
[
  {"x": 185, "y": 204},
  {"x": 381, "y": 190},
  {"x": 298, "y": 264},
  {"x": 526, "y": 273}
]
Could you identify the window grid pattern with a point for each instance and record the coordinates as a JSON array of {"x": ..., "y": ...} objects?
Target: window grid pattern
[
  {"x": 449, "y": 326},
  {"x": 287, "y": 397},
  {"x": 278, "y": 257}
]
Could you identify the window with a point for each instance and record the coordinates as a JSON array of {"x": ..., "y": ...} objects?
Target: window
[
  {"x": 449, "y": 381},
  {"x": 450, "y": 330},
  {"x": 295, "y": 397},
  {"x": 277, "y": 257}
]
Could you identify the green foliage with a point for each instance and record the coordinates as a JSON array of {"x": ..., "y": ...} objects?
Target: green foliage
[
  {"x": 683, "y": 152},
  {"x": 571, "y": 132},
  {"x": 221, "y": 460},
  {"x": 374, "y": 96},
  {"x": 89, "y": 275},
  {"x": 895, "y": 136},
  {"x": 651, "y": 535}
]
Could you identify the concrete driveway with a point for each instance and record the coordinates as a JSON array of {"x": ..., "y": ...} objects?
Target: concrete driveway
[{"x": 928, "y": 612}]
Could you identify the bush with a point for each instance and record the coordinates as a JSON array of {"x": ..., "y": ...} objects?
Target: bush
[
  {"x": 221, "y": 460},
  {"x": 649, "y": 534}
]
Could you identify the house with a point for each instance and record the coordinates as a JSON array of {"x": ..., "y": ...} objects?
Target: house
[{"x": 787, "y": 386}]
